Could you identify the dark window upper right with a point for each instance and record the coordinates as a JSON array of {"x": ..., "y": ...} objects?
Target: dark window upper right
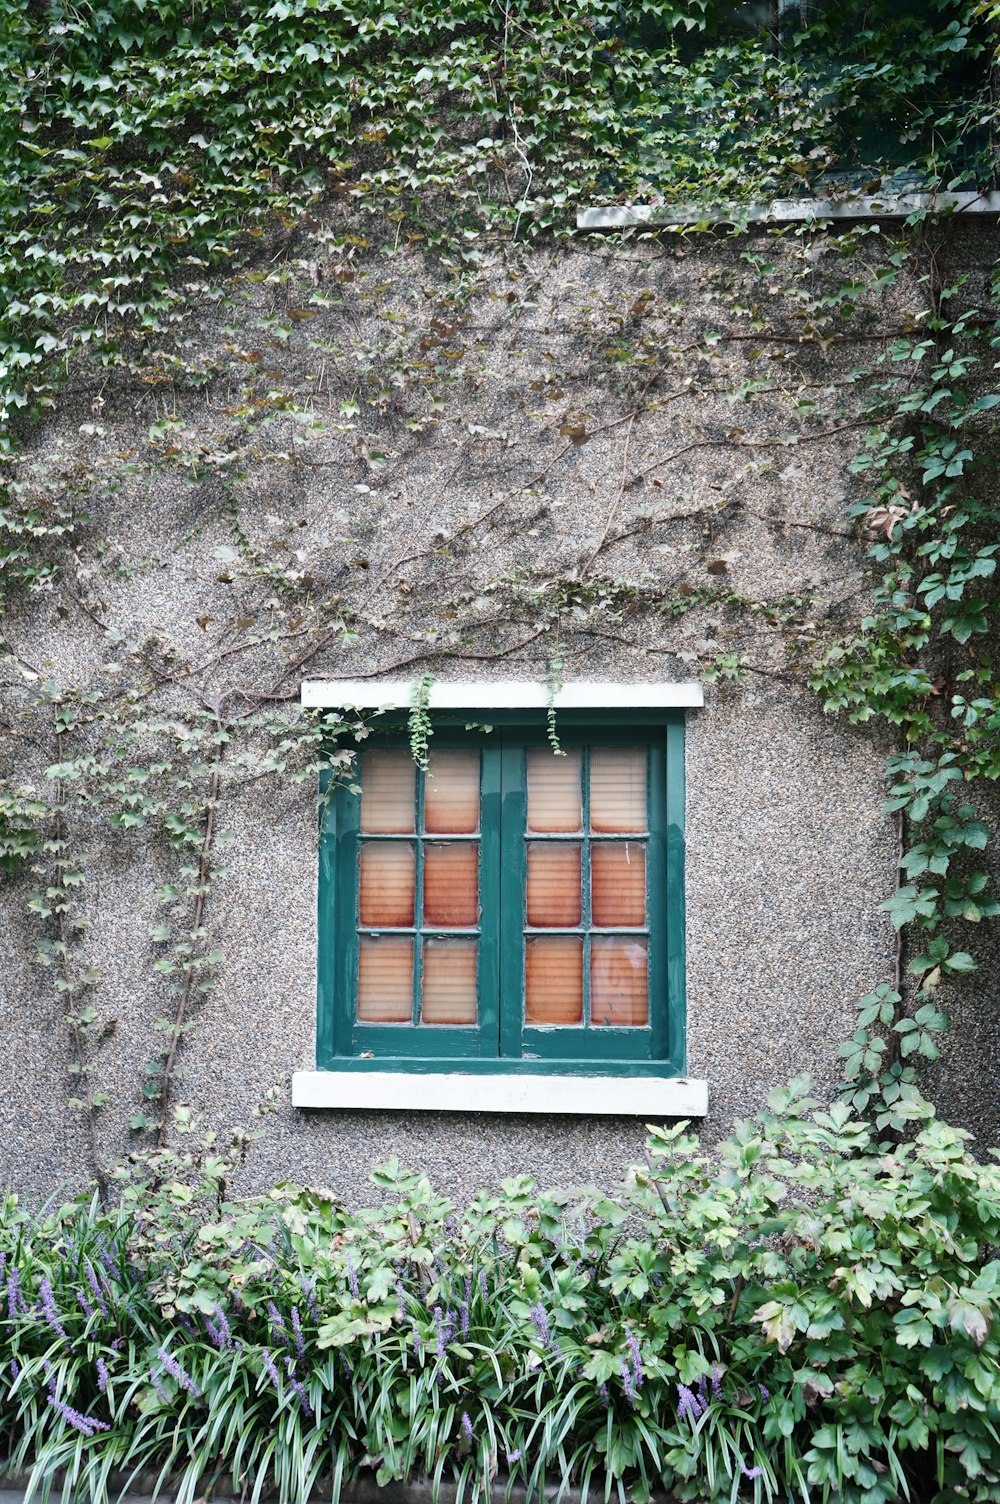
[{"x": 787, "y": 97}]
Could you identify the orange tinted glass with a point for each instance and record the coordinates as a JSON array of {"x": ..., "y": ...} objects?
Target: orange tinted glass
[
  {"x": 448, "y": 991},
  {"x": 618, "y": 789},
  {"x": 451, "y": 792},
  {"x": 619, "y": 990},
  {"x": 553, "y": 884},
  {"x": 618, "y": 883},
  {"x": 385, "y": 979},
  {"x": 388, "y": 792},
  {"x": 554, "y": 791},
  {"x": 388, "y": 870},
  {"x": 553, "y": 992},
  {"x": 451, "y": 884}
]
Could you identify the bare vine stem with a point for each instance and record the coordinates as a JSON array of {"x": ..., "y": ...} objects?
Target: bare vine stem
[
  {"x": 792, "y": 443},
  {"x": 615, "y": 505},
  {"x": 77, "y": 1043},
  {"x": 184, "y": 1000}
]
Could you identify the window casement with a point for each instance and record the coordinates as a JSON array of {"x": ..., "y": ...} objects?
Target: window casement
[{"x": 507, "y": 910}]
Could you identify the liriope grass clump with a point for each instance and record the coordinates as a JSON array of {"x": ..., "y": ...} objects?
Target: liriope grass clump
[{"x": 806, "y": 1314}]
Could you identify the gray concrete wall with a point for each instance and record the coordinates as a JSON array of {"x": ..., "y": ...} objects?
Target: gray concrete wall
[{"x": 453, "y": 526}]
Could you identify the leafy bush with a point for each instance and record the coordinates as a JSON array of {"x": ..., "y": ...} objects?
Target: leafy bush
[{"x": 808, "y": 1315}]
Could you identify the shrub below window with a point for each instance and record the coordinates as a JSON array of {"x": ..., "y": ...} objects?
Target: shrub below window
[{"x": 808, "y": 1313}]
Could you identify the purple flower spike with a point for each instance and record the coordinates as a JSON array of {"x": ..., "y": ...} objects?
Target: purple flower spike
[
  {"x": 278, "y": 1329},
  {"x": 108, "y": 1263},
  {"x": 270, "y": 1368},
  {"x": 222, "y": 1322},
  {"x": 15, "y": 1298},
  {"x": 602, "y": 1390},
  {"x": 296, "y": 1387},
  {"x": 400, "y": 1298},
  {"x": 464, "y": 1318},
  {"x": 467, "y": 1431},
  {"x": 85, "y": 1424},
  {"x": 765, "y": 1393},
  {"x": 157, "y": 1384},
  {"x": 49, "y": 1310},
  {"x": 635, "y": 1357},
  {"x": 95, "y": 1288},
  {"x": 85, "y": 1305},
  {"x": 310, "y": 1297},
  {"x": 439, "y": 1328},
  {"x": 627, "y": 1384},
  {"x": 539, "y": 1316},
  {"x": 177, "y": 1373},
  {"x": 102, "y": 1376},
  {"x": 514, "y": 1456},
  {"x": 352, "y": 1277},
  {"x": 15, "y": 1370},
  {"x": 484, "y": 1288},
  {"x": 716, "y": 1387},
  {"x": 687, "y": 1403},
  {"x": 300, "y": 1343},
  {"x": 751, "y": 1472}
]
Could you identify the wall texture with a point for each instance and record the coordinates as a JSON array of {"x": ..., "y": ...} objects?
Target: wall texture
[{"x": 600, "y": 453}]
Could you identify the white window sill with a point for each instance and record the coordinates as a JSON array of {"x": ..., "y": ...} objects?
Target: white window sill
[
  {"x": 405, "y": 1091},
  {"x": 503, "y": 694},
  {"x": 788, "y": 210}
]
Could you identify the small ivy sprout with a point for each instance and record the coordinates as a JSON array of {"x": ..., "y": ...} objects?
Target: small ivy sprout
[
  {"x": 554, "y": 683},
  {"x": 418, "y": 723}
]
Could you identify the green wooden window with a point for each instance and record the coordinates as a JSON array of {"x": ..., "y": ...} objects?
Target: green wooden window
[{"x": 508, "y": 908}]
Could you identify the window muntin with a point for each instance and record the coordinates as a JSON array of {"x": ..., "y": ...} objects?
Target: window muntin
[
  {"x": 587, "y": 831},
  {"x": 418, "y": 912},
  {"x": 509, "y": 907}
]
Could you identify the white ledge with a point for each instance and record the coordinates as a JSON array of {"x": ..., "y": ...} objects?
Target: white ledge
[
  {"x": 787, "y": 210},
  {"x": 405, "y": 1091},
  {"x": 503, "y": 694}
]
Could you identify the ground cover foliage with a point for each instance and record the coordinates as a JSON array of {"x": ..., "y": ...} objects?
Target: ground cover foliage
[
  {"x": 159, "y": 164},
  {"x": 802, "y": 1316}
]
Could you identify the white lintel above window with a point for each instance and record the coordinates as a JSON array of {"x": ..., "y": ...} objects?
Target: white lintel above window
[
  {"x": 499, "y": 694},
  {"x": 409, "y": 1091},
  {"x": 788, "y": 210}
]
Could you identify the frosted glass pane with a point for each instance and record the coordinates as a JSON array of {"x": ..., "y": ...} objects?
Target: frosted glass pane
[
  {"x": 451, "y": 884},
  {"x": 388, "y": 792},
  {"x": 554, "y": 791},
  {"x": 617, "y": 883},
  {"x": 618, "y": 789},
  {"x": 553, "y": 991},
  {"x": 619, "y": 989},
  {"x": 553, "y": 884},
  {"x": 388, "y": 870},
  {"x": 451, "y": 792},
  {"x": 448, "y": 994},
  {"x": 385, "y": 980}
]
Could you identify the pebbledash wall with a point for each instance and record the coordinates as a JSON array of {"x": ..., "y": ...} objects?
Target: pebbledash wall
[{"x": 787, "y": 852}]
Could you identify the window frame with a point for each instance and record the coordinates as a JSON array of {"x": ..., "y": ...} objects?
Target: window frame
[{"x": 342, "y": 1045}]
